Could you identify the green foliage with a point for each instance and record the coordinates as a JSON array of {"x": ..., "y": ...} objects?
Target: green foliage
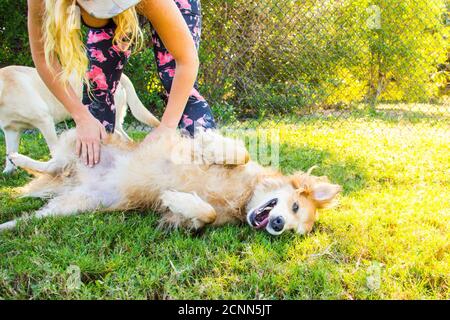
[{"x": 13, "y": 33}]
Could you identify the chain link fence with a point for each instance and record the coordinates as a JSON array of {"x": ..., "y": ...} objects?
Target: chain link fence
[{"x": 284, "y": 60}]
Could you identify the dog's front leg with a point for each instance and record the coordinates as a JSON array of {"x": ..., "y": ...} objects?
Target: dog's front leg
[
  {"x": 12, "y": 138},
  {"x": 187, "y": 207}
]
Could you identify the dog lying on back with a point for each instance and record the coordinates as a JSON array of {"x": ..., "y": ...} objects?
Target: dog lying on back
[{"x": 208, "y": 180}]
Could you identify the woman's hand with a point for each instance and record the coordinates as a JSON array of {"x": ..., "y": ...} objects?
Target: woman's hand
[
  {"x": 158, "y": 131},
  {"x": 172, "y": 29},
  {"x": 90, "y": 132}
]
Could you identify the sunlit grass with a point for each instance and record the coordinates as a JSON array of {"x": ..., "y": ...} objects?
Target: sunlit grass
[{"x": 388, "y": 238}]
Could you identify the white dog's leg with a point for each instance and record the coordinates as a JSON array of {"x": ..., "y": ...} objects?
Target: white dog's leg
[
  {"x": 12, "y": 138},
  {"x": 189, "y": 206},
  {"x": 26, "y": 163},
  {"x": 47, "y": 128}
]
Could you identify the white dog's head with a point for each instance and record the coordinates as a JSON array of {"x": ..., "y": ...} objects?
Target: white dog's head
[{"x": 282, "y": 203}]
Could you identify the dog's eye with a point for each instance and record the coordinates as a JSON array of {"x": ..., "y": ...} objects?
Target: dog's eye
[{"x": 295, "y": 207}]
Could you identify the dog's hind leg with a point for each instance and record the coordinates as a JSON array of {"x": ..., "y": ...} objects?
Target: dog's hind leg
[
  {"x": 214, "y": 148},
  {"x": 52, "y": 166},
  {"x": 66, "y": 205},
  {"x": 12, "y": 138},
  {"x": 187, "y": 207}
]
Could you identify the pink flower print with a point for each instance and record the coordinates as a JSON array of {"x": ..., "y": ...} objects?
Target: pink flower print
[
  {"x": 164, "y": 58},
  {"x": 94, "y": 37},
  {"x": 114, "y": 87},
  {"x": 97, "y": 55},
  {"x": 197, "y": 95},
  {"x": 115, "y": 48},
  {"x": 105, "y": 123},
  {"x": 186, "y": 121},
  {"x": 196, "y": 31},
  {"x": 201, "y": 121},
  {"x": 119, "y": 66},
  {"x": 184, "y": 4},
  {"x": 170, "y": 72},
  {"x": 113, "y": 107},
  {"x": 97, "y": 76},
  {"x": 155, "y": 41},
  {"x": 108, "y": 100}
]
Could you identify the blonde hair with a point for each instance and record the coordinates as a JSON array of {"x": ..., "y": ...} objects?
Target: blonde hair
[{"x": 63, "y": 40}]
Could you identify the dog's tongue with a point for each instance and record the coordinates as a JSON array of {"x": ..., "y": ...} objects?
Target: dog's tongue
[{"x": 263, "y": 223}]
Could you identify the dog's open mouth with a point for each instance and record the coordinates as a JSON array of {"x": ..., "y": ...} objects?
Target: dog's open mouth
[{"x": 259, "y": 218}]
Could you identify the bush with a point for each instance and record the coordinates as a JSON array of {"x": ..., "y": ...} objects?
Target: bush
[{"x": 13, "y": 33}]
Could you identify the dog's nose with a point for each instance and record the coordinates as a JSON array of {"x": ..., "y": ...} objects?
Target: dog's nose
[{"x": 277, "y": 224}]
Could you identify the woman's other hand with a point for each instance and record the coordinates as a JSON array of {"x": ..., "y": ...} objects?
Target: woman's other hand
[
  {"x": 90, "y": 132},
  {"x": 162, "y": 129}
]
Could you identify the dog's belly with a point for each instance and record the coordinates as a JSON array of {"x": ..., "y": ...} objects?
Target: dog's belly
[{"x": 100, "y": 181}]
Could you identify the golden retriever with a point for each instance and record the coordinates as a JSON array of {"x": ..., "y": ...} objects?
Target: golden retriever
[{"x": 208, "y": 180}]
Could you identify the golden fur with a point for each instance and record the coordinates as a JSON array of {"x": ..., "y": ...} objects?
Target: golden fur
[{"x": 178, "y": 177}]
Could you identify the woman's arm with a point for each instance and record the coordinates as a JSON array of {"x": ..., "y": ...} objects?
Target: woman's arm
[
  {"x": 89, "y": 130},
  {"x": 168, "y": 22}
]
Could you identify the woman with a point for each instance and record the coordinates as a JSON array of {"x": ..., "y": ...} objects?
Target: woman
[{"x": 59, "y": 52}]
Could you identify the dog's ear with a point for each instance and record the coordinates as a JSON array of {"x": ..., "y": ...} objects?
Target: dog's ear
[
  {"x": 302, "y": 181},
  {"x": 297, "y": 180},
  {"x": 323, "y": 193}
]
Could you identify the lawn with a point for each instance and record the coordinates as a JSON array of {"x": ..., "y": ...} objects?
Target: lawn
[{"x": 389, "y": 238}]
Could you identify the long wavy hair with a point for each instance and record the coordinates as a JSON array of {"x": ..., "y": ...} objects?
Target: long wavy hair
[{"x": 63, "y": 39}]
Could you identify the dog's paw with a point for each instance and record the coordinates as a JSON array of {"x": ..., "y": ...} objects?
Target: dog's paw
[
  {"x": 10, "y": 165},
  {"x": 9, "y": 169},
  {"x": 217, "y": 149},
  {"x": 15, "y": 159}
]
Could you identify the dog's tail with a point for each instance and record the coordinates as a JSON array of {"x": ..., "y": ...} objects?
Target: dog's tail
[{"x": 137, "y": 108}]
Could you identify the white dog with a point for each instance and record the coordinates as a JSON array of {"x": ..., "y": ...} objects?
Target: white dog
[
  {"x": 26, "y": 102},
  {"x": 192, "y": 182}
]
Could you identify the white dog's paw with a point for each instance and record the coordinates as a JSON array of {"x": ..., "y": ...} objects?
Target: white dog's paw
[
  {"x": 9, "y": 169},
  {"x": 13, "y": 158},
  {"x": 10, "y": 165},
  {"x": 17, "y": 160}
]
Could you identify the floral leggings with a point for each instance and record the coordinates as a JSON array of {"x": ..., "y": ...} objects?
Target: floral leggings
[{"x": 106, "y": 62}]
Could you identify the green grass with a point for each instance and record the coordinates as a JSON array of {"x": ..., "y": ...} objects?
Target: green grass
[{"x": 388, "y": 239}]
